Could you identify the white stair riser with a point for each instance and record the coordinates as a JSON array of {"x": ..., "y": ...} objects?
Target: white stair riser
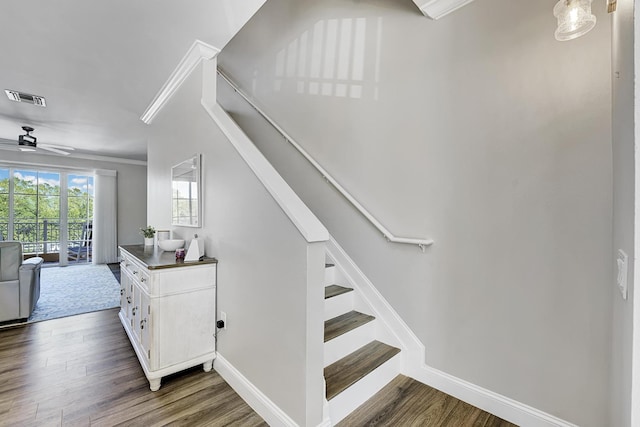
[
  {"x": 330, "y": 276},
  {"x": 340, "y": 304},
  {"x": 345, "y": 344},
  {"x": 347, "y": 401},
  {"x": 334, "y": 275}
]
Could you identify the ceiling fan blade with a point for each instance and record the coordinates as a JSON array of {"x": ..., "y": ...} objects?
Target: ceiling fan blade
[
  {"x": 9, "y": 147},
  {"x": 53, "y": 150},
  {"x": 59, "y": 147}
]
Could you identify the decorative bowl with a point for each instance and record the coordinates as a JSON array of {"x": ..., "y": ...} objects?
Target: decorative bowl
[{"x": 171, "y": 244}]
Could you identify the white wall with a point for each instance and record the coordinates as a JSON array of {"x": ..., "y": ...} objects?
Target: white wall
[
  {"x": 623, "y": 206},
  {"x": 132, "y": 187},
  {"x": 624, "y": 199},
  {"x": 479, "y": 130},
  {"x": 263, "y": 259}
]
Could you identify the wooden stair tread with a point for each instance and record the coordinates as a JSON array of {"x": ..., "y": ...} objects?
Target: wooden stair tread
[
  {"x": 351, "y": 368},
  {"x": 335, "y": 290},
  {"x": 344, "y": 323}
]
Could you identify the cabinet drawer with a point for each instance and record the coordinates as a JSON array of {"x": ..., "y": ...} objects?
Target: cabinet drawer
[
  {"x": 142, "y": 279},
  {"x": 177, "y": 281},
  {"x": 127, "y": 264},
  {"x": 139, "y": 273}
]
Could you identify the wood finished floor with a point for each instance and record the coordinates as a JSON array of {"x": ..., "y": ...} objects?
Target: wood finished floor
[
  {"x": 406, "y": 402},
  {"x": 82, "y": 371}
]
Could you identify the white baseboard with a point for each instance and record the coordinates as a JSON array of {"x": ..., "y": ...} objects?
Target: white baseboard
[
  {"x": 487, "y": 400},
  {"x": 269, "y": 411}
]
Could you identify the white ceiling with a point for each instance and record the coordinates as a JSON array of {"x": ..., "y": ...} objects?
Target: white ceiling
[{"x": 100, "y": 64}]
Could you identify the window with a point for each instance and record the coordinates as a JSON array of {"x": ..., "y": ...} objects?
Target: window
[{"x": 30, "y": 202}]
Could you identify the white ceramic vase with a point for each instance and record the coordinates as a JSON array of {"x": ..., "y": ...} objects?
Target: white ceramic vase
[{"x": 148, "y": 241}]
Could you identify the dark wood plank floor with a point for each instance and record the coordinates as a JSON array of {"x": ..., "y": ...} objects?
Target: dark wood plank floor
[
  {"x": 406, "y": 402},
  {"x": 82, "y": 371}
]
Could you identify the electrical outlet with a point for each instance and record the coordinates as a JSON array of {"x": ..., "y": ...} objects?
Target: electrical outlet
[
  {"x": 223, "y": 317},
  {"x": 622, "y": 264}
]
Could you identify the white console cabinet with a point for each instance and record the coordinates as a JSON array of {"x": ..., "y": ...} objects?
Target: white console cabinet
[{"x": 167, "y": 309}]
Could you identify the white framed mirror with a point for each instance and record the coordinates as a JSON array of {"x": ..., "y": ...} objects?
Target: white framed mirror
[{"x": 186, "y": 193}]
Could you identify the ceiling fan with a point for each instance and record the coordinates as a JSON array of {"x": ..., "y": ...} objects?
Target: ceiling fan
[{"x": 28, "y": 142}]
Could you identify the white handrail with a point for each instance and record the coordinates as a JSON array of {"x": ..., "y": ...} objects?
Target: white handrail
[{"x": 422, "y": 243}]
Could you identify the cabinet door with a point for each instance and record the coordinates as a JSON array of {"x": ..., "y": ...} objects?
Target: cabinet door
[
  {"x": 135, "y": 312},
  {"x": 126, "y": 300},
  {"x": 145, "y": 326},
  {"x": 185, "y": 326},
  {"x": 124, "y": 280}
]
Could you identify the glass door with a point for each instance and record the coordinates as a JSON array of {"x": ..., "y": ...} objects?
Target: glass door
[
  {"x": 50, "y": 213},
  {"x": 36, "y": 212},
  {"x": 80, "y": 217}
]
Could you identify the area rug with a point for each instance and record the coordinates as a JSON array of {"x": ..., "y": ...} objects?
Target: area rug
[{"x": 65, "y": 291}]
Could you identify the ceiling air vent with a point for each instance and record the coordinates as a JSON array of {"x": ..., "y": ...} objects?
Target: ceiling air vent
[{"x": 14, "y": 95}]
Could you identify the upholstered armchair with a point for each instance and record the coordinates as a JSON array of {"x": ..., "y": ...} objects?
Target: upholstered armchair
[{"x": 19, "y": 282}]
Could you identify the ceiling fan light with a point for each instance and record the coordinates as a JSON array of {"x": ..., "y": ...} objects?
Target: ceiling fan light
[
  {"x": 26, "y": 148},
  {"x": 27, "y": 140},
  {"x": 574, "y": 19}
]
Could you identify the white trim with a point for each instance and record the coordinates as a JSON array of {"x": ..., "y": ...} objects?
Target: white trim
[
  {"x": 494, "y": 403},
  {"x": 436, "y": 9},
  {"x": 105, "y": 172},
  {"x": 198, "y": 51},
  {"x": 413, "y": 354},
  {"x": 421, "y": 242},
  {"x": 259, "y": 402},
  {"x": 48, "y": 167},
  {"x": 635, "y": 290},
  {"x": 84, "y": 156},
  {"x": 107, "y": 159},
  {"x": 306, "y": 222}
]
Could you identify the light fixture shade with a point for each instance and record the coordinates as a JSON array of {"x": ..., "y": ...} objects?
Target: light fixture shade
[{"x": 574, "y": 18}]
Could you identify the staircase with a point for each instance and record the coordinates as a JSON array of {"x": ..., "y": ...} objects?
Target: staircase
[{"x": 357, "y": 363}]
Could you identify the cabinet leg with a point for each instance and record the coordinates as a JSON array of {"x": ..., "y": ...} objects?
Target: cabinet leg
[
  {"x": 208, "y": 365},
  {"x": 154, "y": 384}
]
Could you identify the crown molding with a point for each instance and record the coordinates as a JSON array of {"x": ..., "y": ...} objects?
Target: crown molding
[
  {"x": 436, "y": 9},
  {"x": 110, "y": 159},
  {"x": 198, "y": 52},
  {"x": 74, "y": 155}
]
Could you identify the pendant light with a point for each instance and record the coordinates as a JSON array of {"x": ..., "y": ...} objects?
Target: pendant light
[{"x": 574, "y": 18}]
